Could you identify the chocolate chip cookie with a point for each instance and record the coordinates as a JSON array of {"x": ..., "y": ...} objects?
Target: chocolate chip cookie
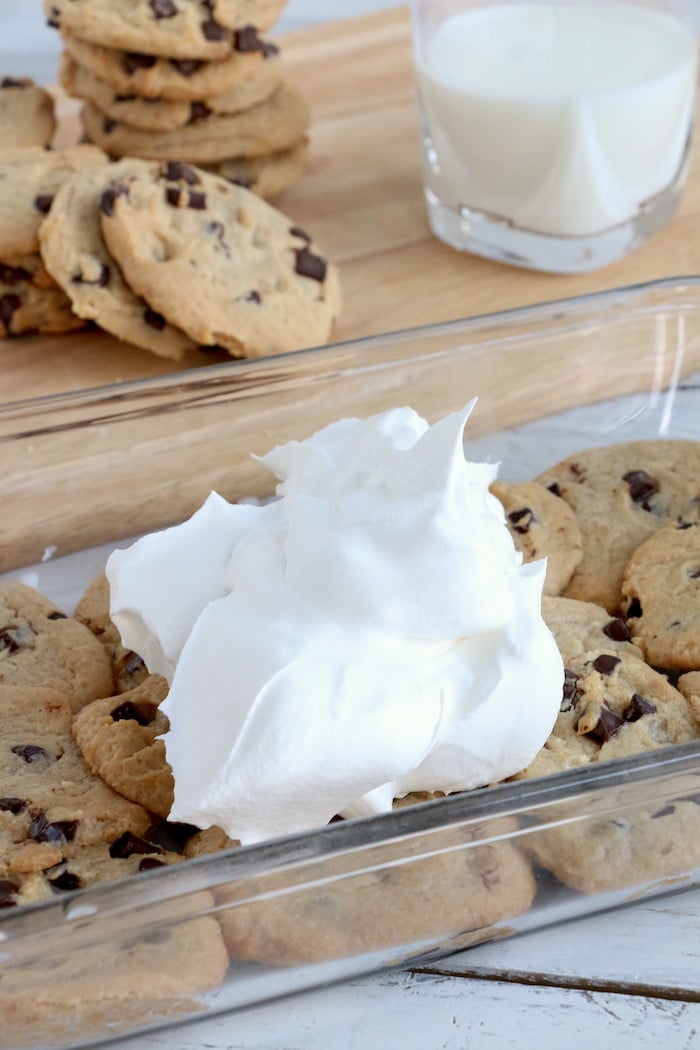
[
  {"x": 471, "y": 882},
  {"x": 26, "y": 114},
  {"x": 151, "y": 76},
  {"x": 76, "y": 256},
  {"x": 50, "y": 805},
  {"x": 41, "y": 646},
  {"x": 161, "y": 114},
  {"x": 275, "y": 124},
  {"x": 92, "y": 610},
  {"x": 542, "y": 526},
  {"x": 29, "y": 307},
  {"x": 119, "y": 738},
  {"x": 615, "y": 706},
  {"x": 29, "y": 180},
  {"x": 578, "y": 627},
  {"x": 267, "y": 175},
  {"x": 256, "y": 283},
  {"x": 621, "y": 495},
  {"x": 188, "y": 29},
  {"x": 661, "y": 589}
]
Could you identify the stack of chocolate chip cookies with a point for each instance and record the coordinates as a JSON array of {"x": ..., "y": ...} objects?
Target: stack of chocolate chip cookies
[{"x": 192, "y": 80}]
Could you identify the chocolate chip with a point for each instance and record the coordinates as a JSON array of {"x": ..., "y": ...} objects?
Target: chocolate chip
[
  {"x": 54, "y": 18},
  {"x": 310, "y": 265},
  {"x": 607, "y": 726},
  {"x": 694, "y": 575},
  {"x": 296, "y": 231},
  {"x": 198, "y": 111},
  {"x": 128, "y": 844},
  {"x": 8, "y": 889},
  {"x": 17, "y": 636},
  {"x": 148, "y": 863},
  {"x": 172, "y": 196},
  {"x": 109, "y": 125},
  {"x": 110, "y": 195},
  {"x": 269, "y": 49},
  {"x": 144, "y": 713},
  {"x": 32, "y": 753},
  {"x": 253, "y": 297},
  {"x": 130, "y": 98},
  {"x": 239, "y": 180},
  {"x": 618, "y": 630},
  {"x": 133, "y": 664},
  {"x": 196, "y": 200},
  {"x": 685, "y": 525},
  {"x": 155, "y": 320},
  {"x": 66, "y": 881},
  {"x": 211, "y": 30},
  {"x": 12, "y": 274},
  {"x": 665, "y": 812},
  {"x": 134, "y": 60},
  {"x": 9, "y": 303},
  {"x": 100, "y": 281},
  {"x": 163, "y": 8},
  {"x": 522, "y": 519},
  {"x": 641, "y": 486},
  {"x": 570, "y": 691},
  {"x": 605, "y": 664},
  {"x": 635, "y": 610},
  {"x": 554, "y": 489},
  {"x": 186, "y": 67},
  {"x": 176, "y": 171},
  {"x": 57, "y": 615},
  {"x": 43, "y": 203},
  {"x": 12, "y": 805},
  {"x": 637, "y": 708},
  {"x": 247, "y": 39},
  {"x": 12, "y": 82},
  {"x": 43, "y": 830}
]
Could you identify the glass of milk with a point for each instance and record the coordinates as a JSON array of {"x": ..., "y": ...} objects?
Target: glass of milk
[{"x": 556, "y": 134}]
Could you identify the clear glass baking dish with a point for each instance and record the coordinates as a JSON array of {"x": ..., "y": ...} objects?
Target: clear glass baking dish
[{"x": 80, "y": 472}]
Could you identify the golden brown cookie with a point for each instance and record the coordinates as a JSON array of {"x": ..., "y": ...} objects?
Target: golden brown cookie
[
  {"x": 579, "y": 627},
  {"x": 542, "y": 526},
  {"x": 29, "y": 180},
  {"x": 41, "y": 646},
  {"x": 621, "y": 495},
  {"x": 153, "y": 76},
  {"x": 50, "y": 805},
  {"x": 615, "y": 706},
  {"x": 188, "y": 29},
  {"x": 275, "y": 124},
  {"x": 161, "y": 114},
  {"x": 256, "y": 283},
  {"x": 471, "y": 882},
  {"x": 26, "y": 114},
  {"x": 119, "y": 738},
  {"x": 661, "y": 589},
  {"x": 77, "y": 258},
  {"x": 92, "y": 610}
]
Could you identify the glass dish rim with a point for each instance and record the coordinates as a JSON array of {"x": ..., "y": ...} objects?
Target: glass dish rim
[
  {"x": 342, "y": 838},
  {"x": 321, "y": 843},
  {"x": 230, "y": 369}
]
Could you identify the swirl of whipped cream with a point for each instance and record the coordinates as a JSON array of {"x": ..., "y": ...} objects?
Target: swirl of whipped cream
[{"x": 370, "y": 633}]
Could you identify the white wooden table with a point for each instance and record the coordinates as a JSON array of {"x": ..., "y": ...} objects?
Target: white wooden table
[{"x": 628, "y": 980}]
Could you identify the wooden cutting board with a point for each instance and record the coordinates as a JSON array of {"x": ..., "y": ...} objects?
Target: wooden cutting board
[{"x": 362, "y": 200}]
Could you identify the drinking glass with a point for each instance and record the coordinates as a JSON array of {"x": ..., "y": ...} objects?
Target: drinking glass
[{"x": 556, "y": 134}]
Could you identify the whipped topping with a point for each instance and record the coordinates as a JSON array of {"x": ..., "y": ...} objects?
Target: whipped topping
[{"x": 370, "y": 633}]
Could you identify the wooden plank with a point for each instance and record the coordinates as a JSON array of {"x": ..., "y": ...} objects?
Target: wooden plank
[
  {"x": 423, "y": 1012},
  {"x": 362, "y": 200},
  {"x": 648, "y": 949}
]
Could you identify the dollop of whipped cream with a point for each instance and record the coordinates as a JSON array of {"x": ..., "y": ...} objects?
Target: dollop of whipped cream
[{"x": 370, "y": 633}]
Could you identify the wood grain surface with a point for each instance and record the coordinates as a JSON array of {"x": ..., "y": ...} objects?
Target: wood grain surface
[{"x": 362, "y": 200}]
